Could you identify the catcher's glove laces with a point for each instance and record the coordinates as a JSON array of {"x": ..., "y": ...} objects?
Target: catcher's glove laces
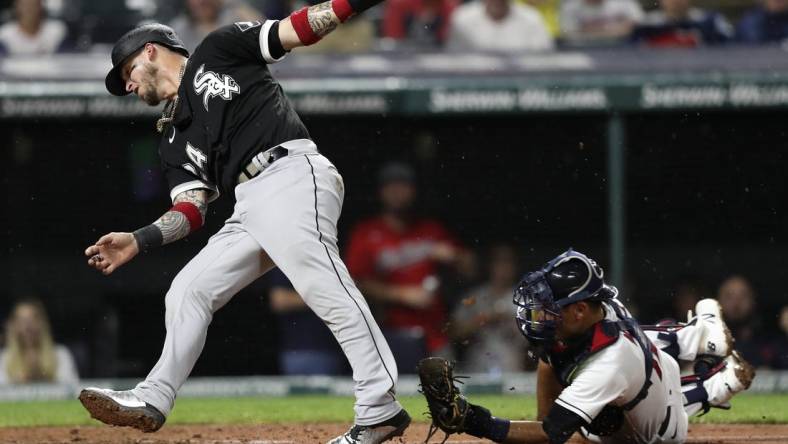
[{"x": 448, "y": 409}]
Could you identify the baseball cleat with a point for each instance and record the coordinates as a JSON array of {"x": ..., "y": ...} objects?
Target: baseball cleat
[
  {"x": 734, "y": 378},
  {"x": 374, "y": 434},
  {"x": 716, "y": 339},
  {"x": 121, "y": 408}
]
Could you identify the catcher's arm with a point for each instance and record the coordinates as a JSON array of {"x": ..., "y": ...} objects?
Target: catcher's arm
[
  {"x": 310, "y": 24},
  {"x": 532, "y": 432},
  {"x": 452, "y": 413},
  {"x": 547, "y": 389},
  {"x": 115, "y": 249}
]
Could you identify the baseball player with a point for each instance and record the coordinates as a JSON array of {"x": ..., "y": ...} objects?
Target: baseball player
[
  {"x": 229, "y": 129},
  {"x": 599, "y": 373}
]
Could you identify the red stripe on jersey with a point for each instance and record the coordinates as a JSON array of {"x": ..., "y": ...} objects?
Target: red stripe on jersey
[
  {"x": 602, "y": 338},
  {"x": 657, "y": 368},
  {"x": 192, "y": 214},
  {"x": 342, "y": 9},
  {"x": 300, "y": 23}
]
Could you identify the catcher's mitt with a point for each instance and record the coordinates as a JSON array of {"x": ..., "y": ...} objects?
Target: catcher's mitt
[{"x": 448, "y": 408}]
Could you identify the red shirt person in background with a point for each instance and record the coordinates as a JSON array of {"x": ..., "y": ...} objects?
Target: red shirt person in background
[
  {"x": 418, "y": 22},
  {"x": 396, "y": 258}
]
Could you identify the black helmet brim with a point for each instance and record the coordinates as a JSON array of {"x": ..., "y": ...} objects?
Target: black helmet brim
[{"x": 114, "y": 81}]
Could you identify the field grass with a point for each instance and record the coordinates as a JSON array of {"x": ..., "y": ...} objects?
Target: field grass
[{"x": 762, "y": 409}]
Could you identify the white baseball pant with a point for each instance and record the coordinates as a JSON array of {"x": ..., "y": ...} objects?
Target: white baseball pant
[{"x": 286, "y": 216}]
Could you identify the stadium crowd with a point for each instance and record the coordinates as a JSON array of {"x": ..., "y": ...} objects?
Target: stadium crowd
[{"x": 36, "y": 27}]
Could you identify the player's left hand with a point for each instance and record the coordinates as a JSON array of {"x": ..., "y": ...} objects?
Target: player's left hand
[{"x": 112, "y": 251}]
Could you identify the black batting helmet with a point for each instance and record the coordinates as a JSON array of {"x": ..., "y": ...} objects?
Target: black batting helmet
[{"x": 130, "y": 43}]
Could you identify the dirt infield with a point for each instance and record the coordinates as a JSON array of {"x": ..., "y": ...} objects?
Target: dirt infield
[{"x": 320, "y": 433}]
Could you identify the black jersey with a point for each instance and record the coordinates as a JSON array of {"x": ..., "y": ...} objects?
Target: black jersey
[{"x": 229, "y": 109}]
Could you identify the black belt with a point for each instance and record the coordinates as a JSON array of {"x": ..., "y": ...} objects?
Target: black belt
[{"x": 260, "y": 162}]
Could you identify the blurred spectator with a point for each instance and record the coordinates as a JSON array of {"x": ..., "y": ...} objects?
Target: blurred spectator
[
  {"x": 306, "y": 345},
  {"x": 678, "y": 24},
  {"x": 30, "y": 354},
  {"x": 498, "y": 25},
  {"x": 780, "y": 348},
  {"x": 484, "y": 320},
  {"x": 31, "y": 32},
  {"x": 767, "y": 23},
  {"x": 423, "y": 23},
  {"x": 687, "y": 291},
  {"x": 396, "y": 260},
  {"x": 737, "y": 298},
  {"x": 549, "y": 10},
  {"x": 355, "y": 35},
  {"x": 200, "y": 17},
  {"x": 598, "y": 22}
]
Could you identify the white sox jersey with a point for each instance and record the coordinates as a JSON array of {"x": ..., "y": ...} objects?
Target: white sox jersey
[
  {"x": 229, "y": 109},
  {"x": 599, "y": 388}
]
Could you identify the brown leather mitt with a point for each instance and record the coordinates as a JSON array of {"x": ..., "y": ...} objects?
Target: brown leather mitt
[{"x": 448, "y": 408}]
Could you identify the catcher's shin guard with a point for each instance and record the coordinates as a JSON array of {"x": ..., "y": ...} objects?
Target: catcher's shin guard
[{"x": 716, "y": 381}]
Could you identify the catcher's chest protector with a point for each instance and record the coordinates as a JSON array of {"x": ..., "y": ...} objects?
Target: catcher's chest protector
[{"x": 566, "y": 360}]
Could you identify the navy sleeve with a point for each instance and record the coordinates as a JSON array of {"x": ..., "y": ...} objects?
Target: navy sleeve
[
  {"x": 748, "y": 30},
  {"x": 560, "y": 424},
  {"x": 254, "y": 41}
]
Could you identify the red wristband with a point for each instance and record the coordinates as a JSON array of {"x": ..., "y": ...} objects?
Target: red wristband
[
  {"x": 301, "y": 25},
  {"x": 342, "y": 9},
  {"x": 192, "y": 214}
]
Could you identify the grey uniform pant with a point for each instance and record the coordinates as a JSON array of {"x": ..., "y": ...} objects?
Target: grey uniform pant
[{"x": 286, "y": 216}]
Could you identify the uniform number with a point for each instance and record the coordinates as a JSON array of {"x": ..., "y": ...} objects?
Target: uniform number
[{"x": 198, "y": 161}]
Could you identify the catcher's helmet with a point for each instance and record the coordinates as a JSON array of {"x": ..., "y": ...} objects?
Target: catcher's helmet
[{"x": 571, "y": 277}]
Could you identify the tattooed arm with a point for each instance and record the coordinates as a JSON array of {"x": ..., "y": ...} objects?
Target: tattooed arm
[
  {"x": 178, "y": 223},
  {"x": 309, "y": 24},
  {"x": 115, "y": 249},
  {"x": 321, "y": 18}
]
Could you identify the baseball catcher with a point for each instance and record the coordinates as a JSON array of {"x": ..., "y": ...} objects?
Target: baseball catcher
[{"x": 600, "y": 373}]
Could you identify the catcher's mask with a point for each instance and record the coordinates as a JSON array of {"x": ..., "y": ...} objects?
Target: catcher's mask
[{"x": 571, "y": 277}]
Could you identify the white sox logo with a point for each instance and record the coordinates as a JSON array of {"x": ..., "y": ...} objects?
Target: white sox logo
[{"x": 210, "y": 84}]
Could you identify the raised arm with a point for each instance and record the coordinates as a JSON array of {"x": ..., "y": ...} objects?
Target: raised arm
[
  {"x": 310, "y": 24},
  {"x": 115, "y": 249}
]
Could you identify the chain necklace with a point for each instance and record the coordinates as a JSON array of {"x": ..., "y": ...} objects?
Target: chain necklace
[{"x": 168, "y": 113}]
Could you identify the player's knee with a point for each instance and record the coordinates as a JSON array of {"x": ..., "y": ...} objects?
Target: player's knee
[{"x": 184, "y": 298}]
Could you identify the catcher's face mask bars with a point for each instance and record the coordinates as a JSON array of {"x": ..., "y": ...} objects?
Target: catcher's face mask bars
[{"x": 537, "y": 312}]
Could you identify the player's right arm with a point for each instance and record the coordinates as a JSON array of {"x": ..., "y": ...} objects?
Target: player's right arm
[
  {"x": 547, "y": 389},
  {"x": 310, "y": 24},
  {"x": 186, "y": 215}
]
